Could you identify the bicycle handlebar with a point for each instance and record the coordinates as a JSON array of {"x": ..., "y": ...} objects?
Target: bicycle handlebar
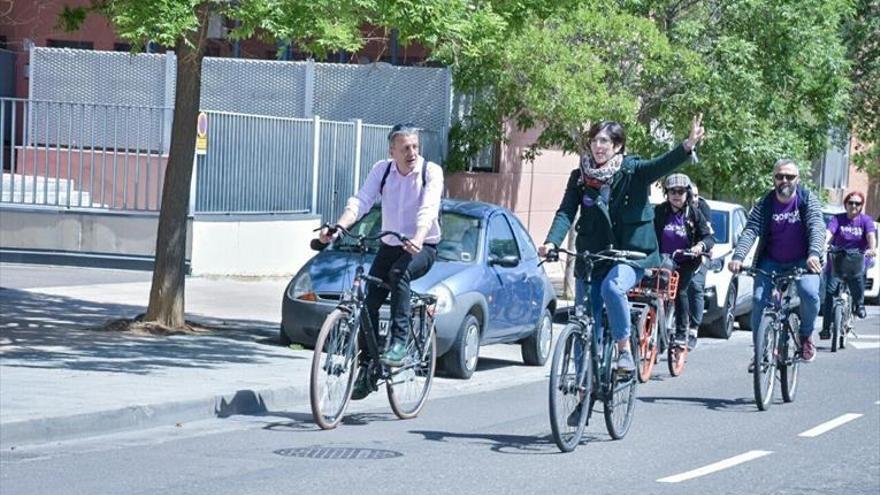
[
  {"x": 617, "y": 255},
  {"x": 317, "y": 245},
  {"x": 792, "y": 273}
]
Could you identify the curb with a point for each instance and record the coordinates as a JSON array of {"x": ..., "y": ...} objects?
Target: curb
[{"x": 137, "y": 417}]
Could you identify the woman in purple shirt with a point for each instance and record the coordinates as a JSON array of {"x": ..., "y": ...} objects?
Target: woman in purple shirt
[{"x": 852, "y": 230}]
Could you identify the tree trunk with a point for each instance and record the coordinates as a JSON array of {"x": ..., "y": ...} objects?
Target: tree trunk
[
  {"x": 167, "y": 292},
  {"x": 568, "y": 291}
]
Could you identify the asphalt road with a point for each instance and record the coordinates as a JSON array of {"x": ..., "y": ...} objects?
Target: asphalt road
[{"x": 699, "y": 433}]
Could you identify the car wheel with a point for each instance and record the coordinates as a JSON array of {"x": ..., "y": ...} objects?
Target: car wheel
[
  {"x": 722, "y": 328},
  {"x": 283, "y": 339},
  {"x": 536, "y": 348},
  {"x": 461, "y": 360}
]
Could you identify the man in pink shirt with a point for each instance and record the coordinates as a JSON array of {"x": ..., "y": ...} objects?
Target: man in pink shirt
[{"x": 410, "y": 188}]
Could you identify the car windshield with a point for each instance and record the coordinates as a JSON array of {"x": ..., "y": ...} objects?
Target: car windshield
[
  {"x": 461, "y": 234},
  {"x": 720, "y": 221}
]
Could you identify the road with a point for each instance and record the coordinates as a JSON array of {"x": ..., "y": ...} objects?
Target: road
[{"x": 700, "y": 433}]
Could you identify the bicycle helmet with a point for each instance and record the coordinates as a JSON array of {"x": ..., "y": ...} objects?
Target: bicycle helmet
[{"x": 676, "y": 180}]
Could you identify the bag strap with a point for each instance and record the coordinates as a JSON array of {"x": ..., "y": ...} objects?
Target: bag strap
[{"x": 388, "y": 171}]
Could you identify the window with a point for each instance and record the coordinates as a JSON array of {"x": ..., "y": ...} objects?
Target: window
[
  {"x": 720, "y": 220},
  {"x": 501, "y": 240},
  {"x": 529, "y": 252},
  {"x": 461, "y": 236},
  {"x": 121, "y": 47},
  {"x": 83, "y": 45}
]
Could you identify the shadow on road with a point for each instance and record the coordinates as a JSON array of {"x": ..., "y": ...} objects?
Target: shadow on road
[
  {"x": 46, "y": 331},
  {"x": 726, "y": 405},
  {"x": 502, "y": 443}
]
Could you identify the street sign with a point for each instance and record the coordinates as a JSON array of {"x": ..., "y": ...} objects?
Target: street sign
[{"x": 202, "y": 134}]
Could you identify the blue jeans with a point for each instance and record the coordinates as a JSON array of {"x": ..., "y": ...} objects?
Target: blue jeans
[
  {"x": 612, "y": 291},
  {"x": 807, "y": 290}
]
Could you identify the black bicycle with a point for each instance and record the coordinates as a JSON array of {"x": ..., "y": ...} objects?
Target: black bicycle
[
  {"x": 581, "y": 372},
  {"x": 777, "y": 342},
  {"x": 338, "y": 355},
  {"x": 846, "y": 264}
]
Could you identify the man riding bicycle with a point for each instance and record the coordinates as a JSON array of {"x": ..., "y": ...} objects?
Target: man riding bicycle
[
  {"x": 788, "y": 221},
  {"x": 410, "y": 188}
]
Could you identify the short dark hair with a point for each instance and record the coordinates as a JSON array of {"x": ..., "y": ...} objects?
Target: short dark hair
[
  {"x": 614, "y": 130},
  {"x": 408, "y": 129}
]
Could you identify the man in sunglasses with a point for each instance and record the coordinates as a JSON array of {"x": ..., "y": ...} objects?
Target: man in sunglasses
[
  {"x": 855, "y": 232},
  {"x": 791, "y": 233},
  {"x": 410, "y": 188}
]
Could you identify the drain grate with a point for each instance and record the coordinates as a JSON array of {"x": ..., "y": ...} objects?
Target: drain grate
[{"x": 339, "y": 453}]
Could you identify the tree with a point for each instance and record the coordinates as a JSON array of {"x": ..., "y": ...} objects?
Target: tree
[
  {"x": 862, "y": 34},
  {"x": 457, "y": 28},
  {"x": 768, "y": 89}
]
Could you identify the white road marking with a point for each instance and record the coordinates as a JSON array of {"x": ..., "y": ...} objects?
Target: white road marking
[
  {"x": 868, "y": 337},
  {"x": 829, "y": 425},
  {"x": 718, "y": 466},
  {"x": 865, "y": 345}
]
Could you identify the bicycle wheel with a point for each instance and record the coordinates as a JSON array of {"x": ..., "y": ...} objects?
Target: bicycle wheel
[
  {"x": 836, "y": 325},
  {"x": 765, "y": 362},
  {"x": 676, "y": 357},
  {"x": 571, "y": 381},
  {"x": 333, "y": 369},
  {"x": 789, "y": 361},
  {"x": 620, "y": 401},
  {"x": 646, "y": 328},
  {"x": 409, "y": 384}
]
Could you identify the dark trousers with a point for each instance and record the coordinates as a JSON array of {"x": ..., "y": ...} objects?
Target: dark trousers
[
  {"x": 397, "y": 269},
  {"x": 856, "y": 290},
  {"x": 695, "y": 296},
  {"x": 682, "y": 305}
]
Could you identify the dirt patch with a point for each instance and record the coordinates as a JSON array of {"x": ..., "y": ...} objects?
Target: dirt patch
[{"x": 136, "y": 326}]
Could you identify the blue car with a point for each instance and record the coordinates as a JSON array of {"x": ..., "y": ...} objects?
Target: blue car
[{"x": 489, "y": 286}]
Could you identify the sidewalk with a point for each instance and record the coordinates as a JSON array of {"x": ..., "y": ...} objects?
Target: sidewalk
[{"x": 61, "y": 379}]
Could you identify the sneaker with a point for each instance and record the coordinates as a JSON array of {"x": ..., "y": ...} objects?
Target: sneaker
[
  {"x": 752, "y": 365},
  {"x": 625, "y": 362},
  {"x": 825, "y": 334},
  {"x": 575, "y": 415},
  {"x": 681, "y": 338},
  {"x": 808, "y": 349},
  {"x": 394, "y": 356},
  {"x": 861, "y": 313},
  {"x": 362, "y": 386},
  {"x": 692, "y": 339}
]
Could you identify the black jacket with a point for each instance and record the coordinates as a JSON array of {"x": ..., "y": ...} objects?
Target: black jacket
[{"x": 698, "y": 227}]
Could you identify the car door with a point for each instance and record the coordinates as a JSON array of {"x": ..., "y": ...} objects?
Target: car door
[
  {"x": 500, "y": 245},
  {"x": 528, "y": 289}
]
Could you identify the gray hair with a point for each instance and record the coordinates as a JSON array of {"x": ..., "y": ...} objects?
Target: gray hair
[
  {"x": 783, "y": 162},
  {"x": 402, "y": 130}
]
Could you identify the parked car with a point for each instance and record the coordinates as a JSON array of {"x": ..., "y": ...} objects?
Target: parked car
[
  {"x": 872, "y": 274},
  {"x": 727, "y": 297},
  {"x": 489, "y": 286}
]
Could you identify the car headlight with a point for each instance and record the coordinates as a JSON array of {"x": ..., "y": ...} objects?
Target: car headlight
[
  {"x": 302, "y": 288},
  {"x": 445, "y": 299}
]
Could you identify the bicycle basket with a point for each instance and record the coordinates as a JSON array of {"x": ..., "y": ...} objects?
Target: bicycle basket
[
  {"x": 661, "y": 282},
  {"x": 848, "y": 263}
]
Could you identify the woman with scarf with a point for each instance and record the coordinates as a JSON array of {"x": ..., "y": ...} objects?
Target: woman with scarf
[{"x": 611, "y": 191}]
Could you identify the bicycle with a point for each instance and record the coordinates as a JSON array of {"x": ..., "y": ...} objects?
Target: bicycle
[
  {"x": 845, "y": 263},
  {"x": 581, "y": 370},
  {"x": 337, "y": 353},
  {"x": 777, "y": 342},
  {"x": 654, "y": 298}
]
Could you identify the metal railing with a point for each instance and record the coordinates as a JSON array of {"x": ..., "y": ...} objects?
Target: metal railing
[{"x": 112, "y": 157}]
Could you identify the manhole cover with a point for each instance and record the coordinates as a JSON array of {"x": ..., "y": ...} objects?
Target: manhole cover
[{"x": 341, "y": 453}]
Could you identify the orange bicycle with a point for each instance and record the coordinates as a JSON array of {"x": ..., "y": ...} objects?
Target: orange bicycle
[{"x": 653, "y": 313}]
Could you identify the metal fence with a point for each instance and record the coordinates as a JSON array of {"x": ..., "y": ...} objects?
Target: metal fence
[{"x": 73, "y": 155}]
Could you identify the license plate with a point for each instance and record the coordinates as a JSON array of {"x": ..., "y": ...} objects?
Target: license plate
[{"x": 383, "y": 327}]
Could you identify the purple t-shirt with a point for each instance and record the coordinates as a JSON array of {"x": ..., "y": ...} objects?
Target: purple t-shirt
[
  {"x": 851, "y": 233},
  {"x": 787, "y": 240},
  {"x": 674, "y": 234}
]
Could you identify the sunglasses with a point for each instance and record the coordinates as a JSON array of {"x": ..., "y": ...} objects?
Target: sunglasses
[
  {"x": 788, "y": 177},
  {"x": 854, "y": 203},
  {"x": 677, "y": 191}
]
